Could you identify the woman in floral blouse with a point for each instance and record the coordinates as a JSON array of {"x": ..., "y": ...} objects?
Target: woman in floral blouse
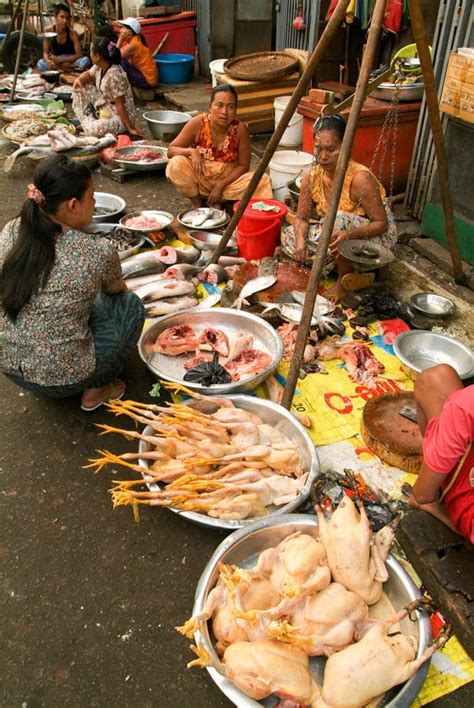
[
  {"x": 210, "y": 158},
  {"x": 68, "y": 322},
  {"x": 102, "y": 97}
]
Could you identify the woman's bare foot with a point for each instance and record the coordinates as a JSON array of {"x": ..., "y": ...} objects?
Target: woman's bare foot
[
  {"x": 336, "y": 292},
  {"x": 92, "y": 398}
]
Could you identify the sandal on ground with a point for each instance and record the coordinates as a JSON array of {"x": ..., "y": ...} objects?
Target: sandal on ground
[
  {"x": 357, "y": 281},
  {"x": 109, "y": 396}
]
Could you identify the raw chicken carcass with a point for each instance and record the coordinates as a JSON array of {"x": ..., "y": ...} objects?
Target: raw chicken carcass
[
  {"x": 247, "y": 362},
  {"x": 325, "y": 622},
  {"x": 176, "y": 340},
  {"x": 297, "y": 565},
  {"x": 263, "y": 668},
  {"x": 355, "y": 560},
  {"x": 366, "y": 670},
  {"x": 240, "y": 343},
  {"x": 361, "y": 364}
]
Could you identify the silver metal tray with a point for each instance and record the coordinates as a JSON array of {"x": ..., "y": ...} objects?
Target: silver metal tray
[
  {"x": 408, "y": 92},
  {"x": 420, "y": 349},
  {"x": 433, "y": 305},
  {"x": 273, "y": 414},
  {"x": 243, "y": 547},
  {"x": 171, "y": 368},
  {"x": 140, "y": 166},
  {"x": 218, "y": 219},
  {"x": 97, "y": 228},
  {"x": 165, "y": 217}
]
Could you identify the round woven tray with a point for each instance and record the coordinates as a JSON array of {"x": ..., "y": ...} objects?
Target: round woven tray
[
  {"x": 393, "y": 438},
  {"x": 261, "y": 66}
]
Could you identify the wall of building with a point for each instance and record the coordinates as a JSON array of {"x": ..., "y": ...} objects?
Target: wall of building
[{"x": 222, "y": 23}]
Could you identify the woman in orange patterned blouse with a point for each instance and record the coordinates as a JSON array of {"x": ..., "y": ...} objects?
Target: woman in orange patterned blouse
[
  {"x": 210, "y": 158},
  {"x": 363, "y": 212}
]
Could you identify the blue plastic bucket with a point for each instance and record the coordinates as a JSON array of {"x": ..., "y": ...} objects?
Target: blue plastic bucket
[
  {"x": 2, "y": 36},
  {"x": 174, "y": 68}
]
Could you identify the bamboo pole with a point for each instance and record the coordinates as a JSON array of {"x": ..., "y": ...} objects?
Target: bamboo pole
[
  {"x": 437, "y": 132},
  {"x": 328, "y": 223},
  {"x": 19, "y": 50},
  {"x": 318, "y": 53}
]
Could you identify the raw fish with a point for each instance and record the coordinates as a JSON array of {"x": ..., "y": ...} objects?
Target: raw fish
[
  {"x": 170, "y": 305},
  {"x": 167, "y": 254},
  {"x": 209, "y": 301},
  {"x": 214, "y": 274},
  {"x": 142, "y": 264},
  {"x": 187, "y": 254},
  {"x": 164, "y": 288},
  {"x": 322, "y": 306},
  {"x": 230, "y": 260},
  {"x": 181, "y": 271},
  {"x": 254, "y": 286}
]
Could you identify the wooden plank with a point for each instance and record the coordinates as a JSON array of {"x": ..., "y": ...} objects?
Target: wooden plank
[
  {"x": 158, "y": 10},
  {"x": 244, "y": 87},
  {"x": 260, "y": 126},
  {"x": 251, "y": 99},
  {"x": 445, "y": 563}
]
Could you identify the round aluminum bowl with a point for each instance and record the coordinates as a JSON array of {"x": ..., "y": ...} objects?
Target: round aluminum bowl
[
  {"x": 164, "y": 218},
  {"x": 171, "y": 368},
  {"x": 165, "y": 125},
  {"x": 51, "y": 76},
  {"x": 204, "y": 240},
  {"x": 242, "y": 548},
  {"x": 408, "y": 92},
  {"x": 111, "y": 202},
  {"x": 273, "y": 414},
  {"x": 138, "y": 166},
  {"x": 433, "y": 305},
  {"x": 421, "y": 349},
  {"x": 104, "y": 226}
]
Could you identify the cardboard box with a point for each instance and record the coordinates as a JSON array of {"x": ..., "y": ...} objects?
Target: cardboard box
[{"x": 458, "y": 91}]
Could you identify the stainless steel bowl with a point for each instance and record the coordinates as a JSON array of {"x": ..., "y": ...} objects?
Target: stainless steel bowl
[
  {"x": 171, "y": 368},
  {"x": 408, "y": 92},
  {"x": 51, "y": 76},
  {"x": 141, "y": 166},
  {"x": 204, "y": 239},
  {"x": 273, "y": 414},
  {"x": 243, "y": 547},
  {"x": 165, "y": 125},
  {"x": 164, "y": 218},
  {"x": 111, "y": 202},
  {"x": 104, "y": 226},
  {"x": 420, "y": 349},
  {"x": 433, "y": 305}
]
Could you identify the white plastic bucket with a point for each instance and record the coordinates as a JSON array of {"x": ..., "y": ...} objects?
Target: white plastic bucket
[
  {"x": 216, "y": 68},
  {"x": 293, "y": 135},
  {"x": 285, "y": 166}
]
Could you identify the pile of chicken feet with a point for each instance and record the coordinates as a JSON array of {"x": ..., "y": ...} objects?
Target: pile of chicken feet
[
  {"x": 228, "y": 464},
  {"x": 311, "y": 597}
]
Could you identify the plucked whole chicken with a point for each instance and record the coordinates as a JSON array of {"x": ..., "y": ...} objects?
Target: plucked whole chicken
[{"x": 308, "y": 597}]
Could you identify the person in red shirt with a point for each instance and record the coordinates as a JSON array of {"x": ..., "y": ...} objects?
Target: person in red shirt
[{"x": 445, "y": 484}]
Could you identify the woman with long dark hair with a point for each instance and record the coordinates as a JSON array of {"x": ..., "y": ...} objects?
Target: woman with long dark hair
[
  {"x": 68, "y": 321},
  {"x": 102, "y": 96}
]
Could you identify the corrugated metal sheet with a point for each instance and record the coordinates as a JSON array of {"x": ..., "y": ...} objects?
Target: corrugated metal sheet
[
  {"x": 286, "y": 35},
  {"x": 453, "y": 29},
  {"x": 203, "y": 30}
]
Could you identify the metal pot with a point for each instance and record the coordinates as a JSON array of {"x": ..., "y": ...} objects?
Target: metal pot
[{"x": 165, "y": 125}]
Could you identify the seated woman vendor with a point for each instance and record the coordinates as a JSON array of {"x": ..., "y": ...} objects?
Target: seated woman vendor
[
  {"x": 362, "y": 214},
  {"x": 68, "y": 321},
  {"x": 137, "y": 60},
  {"x": 445, "y": 484},
  {"x": 210, "y": 158},
  {"x": 63, "y": 52},
  {"x": 102, "y": 97}
]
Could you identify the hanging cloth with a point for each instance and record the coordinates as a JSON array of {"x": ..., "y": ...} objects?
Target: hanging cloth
[
  {"x": 393, "y": 16},
  {"x": 350, "y": 12}
]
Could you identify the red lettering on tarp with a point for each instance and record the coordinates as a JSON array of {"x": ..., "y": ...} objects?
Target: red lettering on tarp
[{"x": 344, "y": 400}]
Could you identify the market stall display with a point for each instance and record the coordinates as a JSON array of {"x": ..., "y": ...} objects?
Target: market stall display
[
  {"x": 203, "y": 466},
  {"x": 303, "y": 626}
]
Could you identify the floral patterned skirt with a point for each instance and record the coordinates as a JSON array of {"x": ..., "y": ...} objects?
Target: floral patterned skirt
[{"x": 345, "y": 221}]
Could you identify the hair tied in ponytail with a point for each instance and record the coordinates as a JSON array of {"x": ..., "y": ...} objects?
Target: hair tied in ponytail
[{"x": 36, "y": 195}]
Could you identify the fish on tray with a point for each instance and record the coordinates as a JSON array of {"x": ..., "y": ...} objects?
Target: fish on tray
[
  {"x": 187, "y": 254},
  {"x": 170, "y": 305},
  {"x": 164, "y": 288}
]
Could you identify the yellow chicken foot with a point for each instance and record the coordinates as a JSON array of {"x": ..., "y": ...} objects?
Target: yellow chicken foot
[
  {"x": 190, "y": 627},
  {"x": 203, "y": 658},
  {"x": 285, "y": 632},
  {"x": 108, "y": 458},
  {"x": 128, "y": 434}
]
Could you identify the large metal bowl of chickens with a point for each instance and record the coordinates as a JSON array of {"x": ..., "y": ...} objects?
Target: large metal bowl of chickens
[
  {"x": 229, "y": 321},
  {"x": 272, "y": 414},
  {"x": 420, "y": 349},
  {"x": 242, "y": 548}
]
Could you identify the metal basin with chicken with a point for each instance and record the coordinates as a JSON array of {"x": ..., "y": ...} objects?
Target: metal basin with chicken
[
  {"x": 243, "y": 547},
  {"x": 267, "y": 344},
  {"x": 274, "y": 415}
]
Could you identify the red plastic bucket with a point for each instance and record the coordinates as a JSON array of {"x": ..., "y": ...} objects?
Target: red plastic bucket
[
  {"x": 259, "y": 241},
  {"x": 253, "y": 219}
]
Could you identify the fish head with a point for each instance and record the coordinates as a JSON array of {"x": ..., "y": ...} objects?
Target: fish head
[{"x": 256, "y": 285}]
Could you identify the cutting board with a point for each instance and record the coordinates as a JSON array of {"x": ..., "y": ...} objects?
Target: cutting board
[
  {"x": 392, "y": 437},
  {"x": 290, "y": 276}
]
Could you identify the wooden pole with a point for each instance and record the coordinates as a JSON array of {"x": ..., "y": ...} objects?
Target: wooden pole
[
  {"x": 424, "y": 55},
  {"x": 318, "y": 53},
  {"x": 19, "y": 50},
  {"x": 328, "y": 223}
]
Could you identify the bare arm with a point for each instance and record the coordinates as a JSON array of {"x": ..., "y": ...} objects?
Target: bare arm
[
  {"x": 365, "y": 189},
  {"x": 426, "y": 492},
  {"x": 188, "y": 136},
  {"x": 82, "y": 80},
  {"x": 125, "y": 118},
  {"x": 47, "y": 49}
]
